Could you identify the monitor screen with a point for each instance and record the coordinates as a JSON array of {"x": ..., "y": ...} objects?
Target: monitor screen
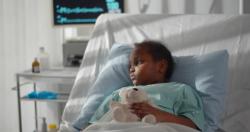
[{"x": 83, "y": 11}]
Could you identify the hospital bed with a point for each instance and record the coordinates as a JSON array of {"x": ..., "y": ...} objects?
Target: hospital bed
[{"x": 185, "y": 35}]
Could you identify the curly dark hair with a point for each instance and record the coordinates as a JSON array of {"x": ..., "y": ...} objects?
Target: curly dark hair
[{"x": 158, "y": 52}]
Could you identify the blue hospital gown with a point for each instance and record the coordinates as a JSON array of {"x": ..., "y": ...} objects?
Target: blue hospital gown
[{"x": 176, "y": 98}]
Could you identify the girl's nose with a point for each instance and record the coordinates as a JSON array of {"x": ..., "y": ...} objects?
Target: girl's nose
[{"x": 132, "y": 69}]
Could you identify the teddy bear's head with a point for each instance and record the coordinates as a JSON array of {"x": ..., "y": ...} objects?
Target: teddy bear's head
[
  {"x": 121, "y": 111},
  {"x": 133, "y": 95}
]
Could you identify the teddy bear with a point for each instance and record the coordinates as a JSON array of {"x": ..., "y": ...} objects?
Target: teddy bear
[{"x": 120, "y": 110}]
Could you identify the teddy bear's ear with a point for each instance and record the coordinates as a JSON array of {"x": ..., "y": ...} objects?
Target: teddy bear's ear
[{"x": 122, "y": 93}]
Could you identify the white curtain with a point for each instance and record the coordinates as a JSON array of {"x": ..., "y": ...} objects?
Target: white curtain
[
  {"x": 25, "y": 25},
  {"x": 183, "y": 6}
]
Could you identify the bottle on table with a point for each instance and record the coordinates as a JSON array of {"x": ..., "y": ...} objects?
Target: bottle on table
[
  {"x": 35, "y": 66},
  {"x": 44, "y": 125},
  {"x": 43, "y": 58},
  {"x": 52, "y": 128}
]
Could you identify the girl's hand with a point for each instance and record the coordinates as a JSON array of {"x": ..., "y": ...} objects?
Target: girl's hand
[{"x": 142, "y": 109}]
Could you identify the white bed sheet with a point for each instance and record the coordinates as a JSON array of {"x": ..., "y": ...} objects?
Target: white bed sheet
[
  {"x": 185, "y": 35},
  {"x": 138, "y": 127}
]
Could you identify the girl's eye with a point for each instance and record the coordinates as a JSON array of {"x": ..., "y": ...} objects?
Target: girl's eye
[{"x": 138, "y": 62}]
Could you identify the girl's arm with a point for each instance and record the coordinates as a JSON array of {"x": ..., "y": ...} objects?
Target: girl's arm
[{"x": 142, "y": 109}]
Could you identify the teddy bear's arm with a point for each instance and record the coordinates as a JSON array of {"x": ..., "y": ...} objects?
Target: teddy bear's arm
[{"x": 113, "y": 104}]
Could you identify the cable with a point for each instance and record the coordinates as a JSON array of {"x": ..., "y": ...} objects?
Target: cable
[{"x": 143, "y": 6}]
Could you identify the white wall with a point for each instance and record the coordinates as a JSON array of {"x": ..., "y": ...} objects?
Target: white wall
[
  {"x": 131, "y": 6},
  {"x": 231, "y": 6},
  {"x": 24, "y": 26},
  {"x": 175, "y": 7},
  {"x": 202, "y": 6},
  {"x": 134, "y": 6},
  {"x": 1, "y": 65}
]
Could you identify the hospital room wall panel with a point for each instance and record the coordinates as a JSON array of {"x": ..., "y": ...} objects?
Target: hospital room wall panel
[
  {"x": 175, "y": 7},
  {"x": 1, "y": 62},
  {"x": 24, "y": 26},
  {"x": 8, "y": 103},
  {"x": 1, "y": 66},
  {"x": 185, "y": 6},
  {"x": 231, "y": 6}
]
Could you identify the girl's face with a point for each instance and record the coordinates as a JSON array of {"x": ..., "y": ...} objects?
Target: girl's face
[{"x": 144, "y": 70}]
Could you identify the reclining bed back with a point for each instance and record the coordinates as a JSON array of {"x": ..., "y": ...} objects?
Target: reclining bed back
[{"x": 185, "y": 35}]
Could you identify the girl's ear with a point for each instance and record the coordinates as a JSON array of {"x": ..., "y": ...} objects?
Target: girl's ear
[{"x": 162, "y": 66}]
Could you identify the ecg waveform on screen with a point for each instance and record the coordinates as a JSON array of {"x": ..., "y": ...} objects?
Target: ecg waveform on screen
[
  {"x": 84, "y": 11},
  {"x": 77, "y": 10},
  {"x": 66, "y": 20}
]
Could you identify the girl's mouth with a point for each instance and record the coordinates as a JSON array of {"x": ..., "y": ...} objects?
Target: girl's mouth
[{"x": 132, "y": 77}]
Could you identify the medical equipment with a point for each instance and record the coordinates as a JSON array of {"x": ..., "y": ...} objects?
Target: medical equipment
[
  {"x": 185, "y": 35},
  {"x": 73, "y": 52}
]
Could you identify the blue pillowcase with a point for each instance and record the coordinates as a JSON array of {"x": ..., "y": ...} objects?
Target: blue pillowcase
[
  {"x": 207, "y": 73},
  {"x": 113, "y": 76}
]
